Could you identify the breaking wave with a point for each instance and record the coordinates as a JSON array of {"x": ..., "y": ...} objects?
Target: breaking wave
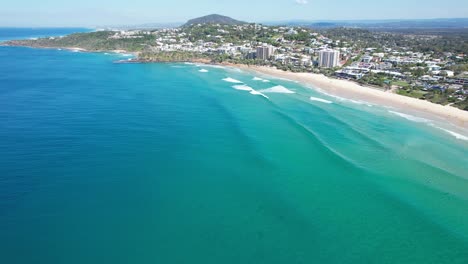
[
  {"x": 345, "y": 99},
  {"x": 455, "y": 134},
  {"x": 278, "y": 89},
  {"x": 243, "y": 87},
  {"x": 248, "y": 89},
  {"x": 211, "y": 66},
  {"x": 258, "y": 79},
  {"x": 231, "y": 80},
  {"x": 258, "y": 93},
  {"x": 320, "y": 100},
  {"x": 410, "y": 117}
]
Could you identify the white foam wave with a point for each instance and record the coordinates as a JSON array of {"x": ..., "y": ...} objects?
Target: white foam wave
[
  {"x": 215, "y": 66},
  {"x": 211, "y": 66},
  {"x": 283, "y": 79},
  {"x": 410, "y": 117},
  {"x": 231, "y": 80},
  {"x": 455, "y": 134},
  {"x": 278, "y": 89},
  {"x": 258, "y": 79},
  {"x": 345, "y": 99},
  {"x": 203, "y": 70},
  {"x": 127, "y": 55},
  {"x": 243, "y": 87},
  {"x": 320, "y": 100},
  {"x": 258, "y": 93}
]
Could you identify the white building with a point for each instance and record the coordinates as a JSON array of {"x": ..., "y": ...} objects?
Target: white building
[
  {"x": 265, "y": 52},
  {"x": 329, "y": 58}
]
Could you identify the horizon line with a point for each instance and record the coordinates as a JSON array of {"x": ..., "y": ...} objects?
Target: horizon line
[{"x": 259, "y": 22}]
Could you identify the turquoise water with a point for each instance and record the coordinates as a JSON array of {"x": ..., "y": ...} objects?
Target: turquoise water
[{"x": 161, "y": 163}]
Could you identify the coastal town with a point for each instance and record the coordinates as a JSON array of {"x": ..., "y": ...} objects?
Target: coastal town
[
  {"x": 296, "y": 49},
  {"x": 439, "y": 76}
]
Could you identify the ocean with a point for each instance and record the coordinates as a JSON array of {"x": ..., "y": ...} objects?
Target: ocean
[
  {"x": 37, "y": 32},
  {"x": 103, "y": 162}
]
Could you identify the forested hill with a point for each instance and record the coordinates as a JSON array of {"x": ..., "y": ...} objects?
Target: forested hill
[{"x": 214, "y": 19}]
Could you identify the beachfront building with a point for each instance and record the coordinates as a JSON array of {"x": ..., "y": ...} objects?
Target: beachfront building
[
  {"x": 329, "y": 58},
  {"x": 265, "y": 52}
]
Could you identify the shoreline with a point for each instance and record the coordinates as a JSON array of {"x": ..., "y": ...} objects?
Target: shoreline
[
  {"x": 334, "y": 87},
  {"x": 351, "y": 90},
  {"x": 73, "y": 49}
]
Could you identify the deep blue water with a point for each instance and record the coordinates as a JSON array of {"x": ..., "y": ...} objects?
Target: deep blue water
[
  {"x": 163, "y": 163},
  {"x": 26, "y": 33}
]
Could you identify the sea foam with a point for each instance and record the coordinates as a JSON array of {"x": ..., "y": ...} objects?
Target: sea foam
[
  {"x": 216, "y": 66},
  {"x": 248, "y": 89},
  {"x": 242, "y": 87},
  {"x": 231, "y": 80},
  {"x": 345, "y": 99},
  {"x": 410, "y": 117},
  {"x": 258, "y": 93},
  {"x": 258, "y": 79},
  {"x": 320, "y": 100},
  {"x": 203, "y": 70},
  {"x": 424, "y": 120},
  {"x": 277, "y": 89},
  {"x": 455, "y": 134},
  {"x": 211, "y": 66}
]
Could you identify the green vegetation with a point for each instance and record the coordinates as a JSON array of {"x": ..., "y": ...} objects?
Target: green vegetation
[
  {"x": 432, "y": 41},
  {"x": 435, "y": 96},
  {"x": 462, "y": 104},
  {"x": 401, "y": 84},
  {"x": 214, "y": 19},
  {"x": 459, "y": 68},
  {"x": 302, "y": 36},
  {"x": 175, "y": 56},
  {"x": 379, "y": 79},
  {"x": 412, "y": 93},
  {"x": 94, "y": 41},
  {"x": 231, "y": 41},
  {"x": 210, "y": 33}
]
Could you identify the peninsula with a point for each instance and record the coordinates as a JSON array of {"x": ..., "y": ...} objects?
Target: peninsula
[{"x": 426, "y": 65}]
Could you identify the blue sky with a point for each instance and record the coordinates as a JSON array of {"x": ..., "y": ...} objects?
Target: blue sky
[{"x": 125, "y": 12}]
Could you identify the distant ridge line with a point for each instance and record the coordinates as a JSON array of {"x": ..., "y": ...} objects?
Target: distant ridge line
[{"x": 214, "y": 19}]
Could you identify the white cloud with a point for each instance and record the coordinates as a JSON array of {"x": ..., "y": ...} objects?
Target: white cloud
[{"x": 302, "y": 2}]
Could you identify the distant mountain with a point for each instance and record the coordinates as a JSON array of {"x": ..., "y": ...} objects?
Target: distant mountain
[
  {"x": 214, "y": 19},
  {"x": 381, "y": 24}
]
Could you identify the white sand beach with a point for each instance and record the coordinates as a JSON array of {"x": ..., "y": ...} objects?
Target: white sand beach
[{"x": 351, "y": 90}]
